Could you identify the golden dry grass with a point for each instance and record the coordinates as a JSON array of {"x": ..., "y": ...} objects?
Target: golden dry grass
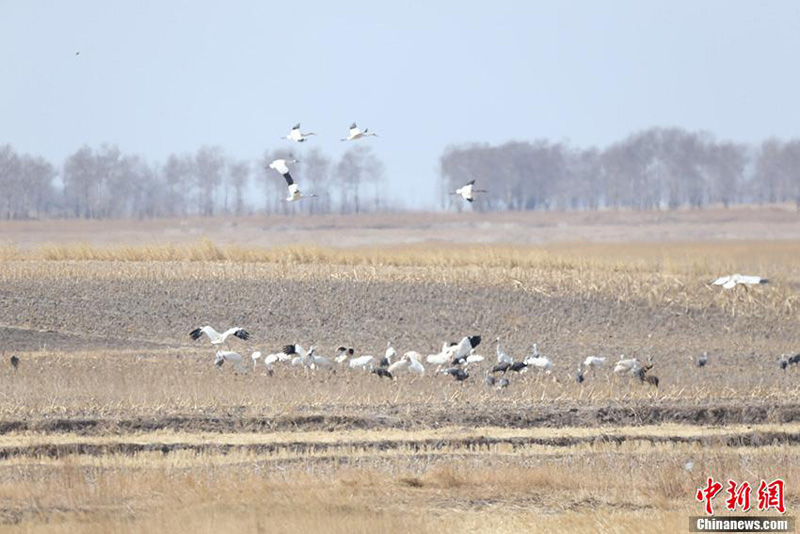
[{"x": 359, "y": 480}]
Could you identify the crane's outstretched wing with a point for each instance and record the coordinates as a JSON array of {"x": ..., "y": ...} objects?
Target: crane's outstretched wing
[{"x": 288, "y": 178}]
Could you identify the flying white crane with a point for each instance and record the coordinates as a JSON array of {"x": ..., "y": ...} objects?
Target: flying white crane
[
  {"x": 731, "y": 281},
  {"x": 296, "y": 135},
  {"x": 294, "y": 191},
  {"x": 356, "y": 133},
  {"x": 467, "y": 192},
  {"x": 216, "y": 338}
]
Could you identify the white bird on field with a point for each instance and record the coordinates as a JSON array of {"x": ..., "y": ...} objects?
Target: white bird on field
[
  {"x": 474, "y": 358},
  {"x": 464, "y": 347},
  {"x": 344, "y": 353},
  {"x": 731, "y": 281},
  {"x": 318, "y": 362},
  {"x": 442, "y": 357},
  {"x": 467, "y": 192},
  {"x": 594, "y": 361},
  {"x": 363, "y": 362},
  {"x": 294, "y": 190},
  {"x": 296, "y": 135},
  {"x": 502, "y": 357},
  {"x": 399, "y": 366},
  {"x": 413, "y": 363},
  {"x": 229, "y": 356},
  {"x": 539, "y": 362},
  {"x": 217, "y": 338},
  {"x": 390, "y": 353},
  {"x": 255, "y": 356},
  {"x": 356, "y": 133},
  {"x": 629, "y": 365}
]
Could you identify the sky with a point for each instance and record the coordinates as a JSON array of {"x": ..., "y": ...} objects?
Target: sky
[{"x": 157, "y": 77}]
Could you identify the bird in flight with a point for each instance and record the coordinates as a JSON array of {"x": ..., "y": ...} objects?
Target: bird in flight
[
  {"x": 294, "y": 191},
  {"x": 297, "y": 135},
  {"x": 468, "y": 191},
  {"x": 356, "y": 133}
]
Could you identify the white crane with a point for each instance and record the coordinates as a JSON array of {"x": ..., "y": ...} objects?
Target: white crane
[
  {"x": 318, "y": 362},
  {"x": 344, "y": 353},
  {"x": 215, "y": 337},
  {"x": 294, "y": 191},
  {"x": 356, "y": 133},
  {"x": 474, "y": 358},
  {"x": 390, "y": 353},
  {"x": 467, "y": 192},
  {"x": 626, "y": 365},
  {"x": 731, "y": 281},
  {"x": 365, "y": 362},
  {"x": 594, "y": 361},
  {"x": 399, "y": 366},
  {"x": 413, "y": 363},
  {"x": 502, "y": 357},
  {"x": 443, "y": 357},
  {"x": 464, "y": 347},
  {"x": 229, "y": 356},
  {"x": 296, "y": 135}
]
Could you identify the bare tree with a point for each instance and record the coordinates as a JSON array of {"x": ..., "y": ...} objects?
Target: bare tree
[{"x": 239, "y": 174}]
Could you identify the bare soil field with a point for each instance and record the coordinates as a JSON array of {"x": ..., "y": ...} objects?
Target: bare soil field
[{"x": 116, "y": 421}]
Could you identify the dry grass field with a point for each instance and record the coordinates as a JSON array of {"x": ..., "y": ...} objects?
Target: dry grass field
[{"x": 116, "y": 421}]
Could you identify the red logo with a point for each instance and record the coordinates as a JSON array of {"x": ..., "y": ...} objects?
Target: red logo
[{"x": 770, "y": 496}]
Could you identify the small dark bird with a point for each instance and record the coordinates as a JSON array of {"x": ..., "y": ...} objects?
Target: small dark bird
[
  {"x": 489, "y": 380},
  {"x": 518, "y": 366},
  {"x": 702, "y": 360},
  {"x": 459, "y": 374},
  {"x": 14, "y": 361},
  {"x": 579, "y": 376},
  {"x": 783, "y": 362},
  {"x": 503, "y": 383},
  {"x": 380, "y": 371},
  {"x": 794, "y": 360},
  {"x": 652, "y": 380},
  {"x": 77, "y": 53},
  {"x": 501, "y": 367}
]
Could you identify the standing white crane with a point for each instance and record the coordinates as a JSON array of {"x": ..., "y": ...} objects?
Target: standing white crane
[
  {"x": 389, "y": 355},
  {"x": 216, "y": 338},
  {"x": 731, "y": 281},
  {"x": 318, "y": 362},
  {"x": 356, "y": 133},
  {"x": 413, "y": 363},
  {"x": 467, "y": 192},
  {"x": 229, "y": 356},
  {"x": 294, "y": 191},
  {"x": 502, "y": 357},
  {"x": 297, "y": 135}
]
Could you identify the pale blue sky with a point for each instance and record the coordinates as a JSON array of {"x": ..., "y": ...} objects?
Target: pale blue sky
[{"x": 161, "y": 77}]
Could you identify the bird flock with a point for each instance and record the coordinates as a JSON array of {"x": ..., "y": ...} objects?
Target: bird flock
[
  {"x": 458, "y": 360},
  {"x": 354, "y": 133}
]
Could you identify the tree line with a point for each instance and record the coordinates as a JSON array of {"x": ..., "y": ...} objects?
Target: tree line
[
  {"x": 103, "y": 183},
  {"x": 660, "y": 168}
]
